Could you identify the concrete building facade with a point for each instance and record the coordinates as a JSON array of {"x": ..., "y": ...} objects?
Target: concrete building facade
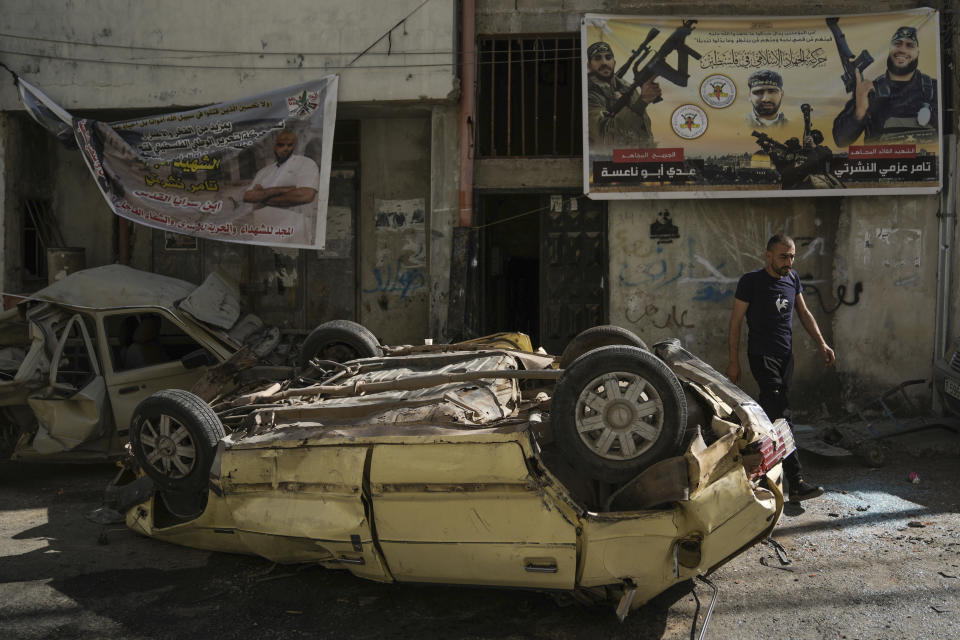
[
  {"x": 397, "y": 108},
  {"x": 538, "y": 256}
]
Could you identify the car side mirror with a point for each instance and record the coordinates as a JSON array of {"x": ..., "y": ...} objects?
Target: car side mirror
[{"x": 198, "y": 358}]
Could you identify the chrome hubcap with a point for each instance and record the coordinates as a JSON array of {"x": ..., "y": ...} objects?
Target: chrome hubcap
[
  {"x": 619, "y": 415},
  {"x": 168, "y": 446}
]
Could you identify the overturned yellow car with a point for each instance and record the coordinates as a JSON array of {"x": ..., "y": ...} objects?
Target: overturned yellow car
[{"x": 622, "y": 473}]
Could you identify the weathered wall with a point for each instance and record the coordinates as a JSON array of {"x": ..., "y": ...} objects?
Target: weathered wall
[
  {"x": 116, "y": 54},
  {"x": 684, "y": 287},
  {"x": 890, "y": 244},
  {"x": 395, "y": 184}
]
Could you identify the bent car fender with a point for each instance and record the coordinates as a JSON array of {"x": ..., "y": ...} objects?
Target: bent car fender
[{"x": 723, "y": 511}]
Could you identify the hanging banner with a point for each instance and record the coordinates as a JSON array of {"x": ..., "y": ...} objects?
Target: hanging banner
[
  {"x": 255, "y": 170},
  {"x": 761, "y": 106}
]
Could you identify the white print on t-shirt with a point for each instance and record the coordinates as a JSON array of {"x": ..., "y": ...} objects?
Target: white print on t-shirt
[{"x": 781, "y": 303}]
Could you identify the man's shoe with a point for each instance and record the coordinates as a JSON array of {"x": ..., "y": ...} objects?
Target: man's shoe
[{"x": 803, "y": 491}]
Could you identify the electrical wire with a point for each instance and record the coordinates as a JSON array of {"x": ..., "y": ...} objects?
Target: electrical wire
[
  {"x": 212, "y": 52},
  {"x": 224, "y": 67},
  {"x": 161, "y": 65},
  {"x": 523, "y": 214},
  {"x": 491, "y": 41}
]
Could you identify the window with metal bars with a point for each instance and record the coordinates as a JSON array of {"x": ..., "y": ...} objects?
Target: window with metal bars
[
  {"x": 39, "y": 231},
  {"x": 528, "y": 96}
]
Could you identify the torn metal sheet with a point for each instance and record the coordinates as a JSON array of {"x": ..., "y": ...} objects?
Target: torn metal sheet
[{"x": 216, "y": 301}]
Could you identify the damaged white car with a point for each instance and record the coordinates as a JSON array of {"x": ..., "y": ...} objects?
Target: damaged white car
[
  {"x": 78, "y": 356},
  {"x": 612, "y": 478}
]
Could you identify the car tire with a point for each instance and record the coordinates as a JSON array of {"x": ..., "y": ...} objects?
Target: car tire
[
  {"x": 339, "y": 341},
  {"x": 174, "y": 437},
  {"x": 600, "y": 336},
  {"x": 612, "y": 437}
]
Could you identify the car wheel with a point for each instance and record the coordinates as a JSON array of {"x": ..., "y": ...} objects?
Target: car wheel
[
  {"x": 617, "y": 410},
  {"x": 595, "y": 337},
  {"x": 174, "y": 436},
  {"x": 339, "y": 341}
]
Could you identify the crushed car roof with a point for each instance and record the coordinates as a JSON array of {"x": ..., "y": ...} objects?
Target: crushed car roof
[{"x": 115, "y": 285}]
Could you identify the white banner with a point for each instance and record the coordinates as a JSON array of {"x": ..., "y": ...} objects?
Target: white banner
[{"x": 255, "y": 170}]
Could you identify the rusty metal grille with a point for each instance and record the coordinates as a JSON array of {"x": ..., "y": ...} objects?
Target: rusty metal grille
[{"x": 528, "y": 96}]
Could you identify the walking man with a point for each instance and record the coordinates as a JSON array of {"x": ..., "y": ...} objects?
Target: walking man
[{"x": 767, "y": 298}]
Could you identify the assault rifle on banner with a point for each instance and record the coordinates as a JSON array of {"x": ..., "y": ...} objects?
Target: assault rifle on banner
[
  {"x": 642, "y": 52},
  {"x": 768, "y": 144},
  {"x": 851, "y": 64},
  {"x": 657, "y": 66}
]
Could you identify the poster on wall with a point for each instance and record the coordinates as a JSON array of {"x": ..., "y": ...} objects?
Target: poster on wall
[
  {"x": 739, "y": 107},
  {"x": 401, "y": 253},
  {"x": 255, "y": 170}
]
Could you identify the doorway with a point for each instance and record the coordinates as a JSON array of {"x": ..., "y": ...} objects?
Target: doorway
[
  {"x": 543, "y": 265},
  {"x": 510, "y": 247}
]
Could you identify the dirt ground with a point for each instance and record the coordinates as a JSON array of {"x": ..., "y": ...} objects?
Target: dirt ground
[{"x": 877, "y": 557}]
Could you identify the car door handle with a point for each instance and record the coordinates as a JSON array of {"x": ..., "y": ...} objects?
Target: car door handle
[
  {"x": 131, "y": 389},
  {"x": 540, "y": 568}
]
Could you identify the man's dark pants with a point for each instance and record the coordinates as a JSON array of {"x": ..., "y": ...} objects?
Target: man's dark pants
[{"x": 774, "y": 375}]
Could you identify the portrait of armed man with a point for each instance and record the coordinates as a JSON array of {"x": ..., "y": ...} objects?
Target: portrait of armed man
[{"x": 898, "y": 106}]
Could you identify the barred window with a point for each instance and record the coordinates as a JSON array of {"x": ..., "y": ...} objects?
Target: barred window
[
  {"x": 39, "y": 232},
  {"x": 528, "y": 96}
]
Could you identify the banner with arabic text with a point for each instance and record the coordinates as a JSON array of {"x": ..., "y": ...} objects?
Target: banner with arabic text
[
  {"x": 254, "y": 170},
  {"x": 729, "y": 107}
]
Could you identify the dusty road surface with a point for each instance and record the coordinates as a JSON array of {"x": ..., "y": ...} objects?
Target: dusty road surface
[{"x": 877, "y": 557}]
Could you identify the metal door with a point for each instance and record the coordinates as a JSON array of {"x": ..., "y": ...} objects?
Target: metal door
[{"x": 573, "y": 268}]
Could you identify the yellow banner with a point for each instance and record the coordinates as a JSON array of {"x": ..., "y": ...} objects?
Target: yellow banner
[{"x": 761, "y": 106}]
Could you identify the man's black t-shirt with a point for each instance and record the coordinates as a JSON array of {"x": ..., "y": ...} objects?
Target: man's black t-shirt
[{"x": 770, "y": 314}]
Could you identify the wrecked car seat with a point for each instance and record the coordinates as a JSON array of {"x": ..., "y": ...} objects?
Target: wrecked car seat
[{"x": 146, "y": 349}]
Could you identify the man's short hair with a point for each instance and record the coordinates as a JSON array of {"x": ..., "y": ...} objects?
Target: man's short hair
[
  {"x": 817, "y": 136},
  {"x": 598, "y": 47},
  {"x": 905, "y": 33},
  {"x": 779, "y": 238},
  {"x": 765, "y": 78}
]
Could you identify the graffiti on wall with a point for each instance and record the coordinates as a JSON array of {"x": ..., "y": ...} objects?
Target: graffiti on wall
[
  {"x": 841, "y": 295},
  {"x": 688, "y": 274},
  {"x": 397, "y": 279},
  {"x": 662, "y": 272},
  {"x": 639, "y": 310}
]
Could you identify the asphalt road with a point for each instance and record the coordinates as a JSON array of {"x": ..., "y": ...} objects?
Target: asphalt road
[{"x": 876, "y": 557}]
